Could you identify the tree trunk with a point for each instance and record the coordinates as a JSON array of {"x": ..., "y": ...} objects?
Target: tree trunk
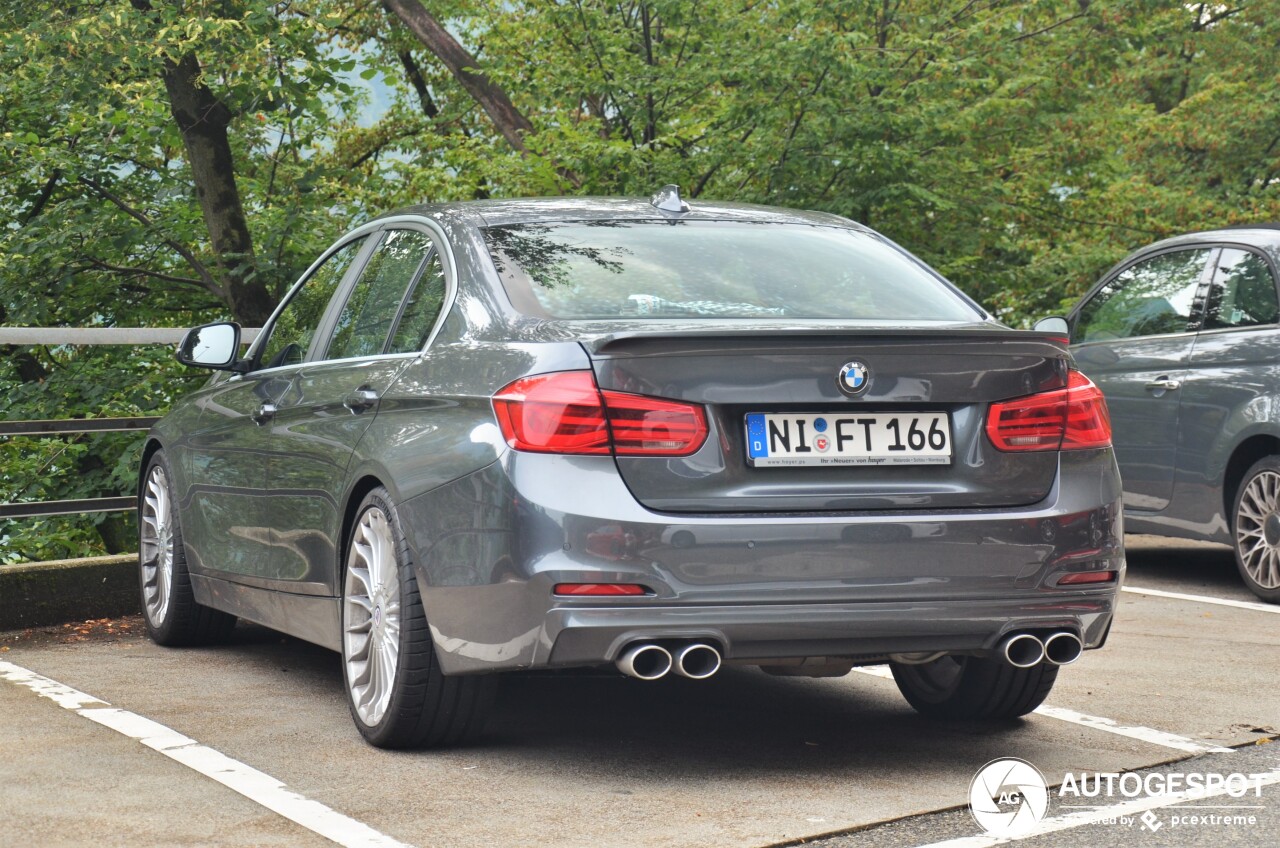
[
  {"x": 465, "y": 69},
  {"x": 203, "y": 121}
]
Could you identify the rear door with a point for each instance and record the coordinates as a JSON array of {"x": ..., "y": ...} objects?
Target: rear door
[
  {"x": 382, "y": 322},
  {"x": 1133, "y": 336}
]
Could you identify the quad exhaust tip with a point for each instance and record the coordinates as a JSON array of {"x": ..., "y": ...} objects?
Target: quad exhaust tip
[
  {"x": 697, "y": 661},
  {"x": 645, "y": 662},
  {"x": 1024, "y": 650},
  {"x": 1063, "y": 648}
]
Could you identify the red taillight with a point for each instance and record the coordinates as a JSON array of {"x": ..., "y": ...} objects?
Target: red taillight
[
  {"x": 1073, "y": 418},
  {"x": 1078, "y": 577},
  {"x": 564, "y": 412},
  {"x": 600, "y": 589}
]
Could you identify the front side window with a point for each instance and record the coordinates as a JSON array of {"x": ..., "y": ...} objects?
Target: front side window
[
  {"x": 715, "y": 269},
  {"x": 290, "y": 335},
  {"x": 1243, "y": 292},
  {"x": 366, "y": 320},
  {"x": 1149, "y": 298}
]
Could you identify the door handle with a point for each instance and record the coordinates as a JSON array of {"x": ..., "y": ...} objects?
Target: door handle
[
  {"x": 361, "y": 399},
  {"x": 263, "y": 414},
  {"x": 1164, "y": 384}
]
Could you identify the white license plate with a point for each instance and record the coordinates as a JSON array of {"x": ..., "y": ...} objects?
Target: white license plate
[{"x": 848, "y": 438}]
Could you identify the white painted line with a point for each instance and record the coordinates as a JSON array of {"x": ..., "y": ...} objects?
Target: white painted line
[
  {"x": 257, "y": 786},
  {"x": 1203, "y": 599},
  {"x": 1086, "y": 817},
  {"x": 1143, "y": 734}
]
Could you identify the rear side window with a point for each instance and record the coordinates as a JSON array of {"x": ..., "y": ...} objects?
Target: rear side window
[
  {"x": 374, "y": 303},
  {"x": 1149, "y": 298},
  {"x": 1243, "y": 292},
  {"x": 714, "y": 269}
]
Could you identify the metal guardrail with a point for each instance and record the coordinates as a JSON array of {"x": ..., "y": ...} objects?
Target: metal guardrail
[{"x": 84, "y": 336}]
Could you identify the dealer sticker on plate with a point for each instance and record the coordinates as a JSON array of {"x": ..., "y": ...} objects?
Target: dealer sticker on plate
[{"x": 844, "y": 438}]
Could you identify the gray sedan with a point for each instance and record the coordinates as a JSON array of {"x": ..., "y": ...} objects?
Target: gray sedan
[{"x": 504, "y": 435}]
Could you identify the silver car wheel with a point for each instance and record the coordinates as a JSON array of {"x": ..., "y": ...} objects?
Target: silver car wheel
[
  {"x": 371, "y": 616},
  {"x": 1258, "y": 529},
  {"x": 157, "y": 546}
]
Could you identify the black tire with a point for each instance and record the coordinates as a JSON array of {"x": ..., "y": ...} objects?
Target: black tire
[
  {"x": 426, "y": 709},
  {"x": 1255, "y": 533},
  {"x": 974, "y": 688},
  {"x": 180, "y": 621}
]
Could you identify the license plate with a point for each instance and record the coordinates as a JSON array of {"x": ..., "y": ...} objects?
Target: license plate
[{"x": 848, "y": 438}]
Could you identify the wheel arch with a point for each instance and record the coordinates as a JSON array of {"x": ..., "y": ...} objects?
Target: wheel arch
[
  {"x": 362, "y": 486},
  {"x": 1243, "y": 456},
  {"x": 149, "y": 449}
]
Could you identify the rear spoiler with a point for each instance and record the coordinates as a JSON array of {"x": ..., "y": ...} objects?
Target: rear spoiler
[{"x": 721, "y": 341}]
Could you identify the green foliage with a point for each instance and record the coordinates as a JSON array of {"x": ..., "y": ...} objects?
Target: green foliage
[{"x": 1020, "y": 147}]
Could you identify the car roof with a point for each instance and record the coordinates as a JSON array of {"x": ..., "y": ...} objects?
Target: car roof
[
  {"x": 496, "y": 213},
  {"x": 1258, "y": 235}
]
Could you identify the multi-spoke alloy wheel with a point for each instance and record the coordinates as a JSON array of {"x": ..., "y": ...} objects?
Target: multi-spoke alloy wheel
[
  {"x": 172, "y": 614},
  {"x": 156, "y": 545},
  {"x": 371, "y": 616},
  {"x": 398, "y": 693},
  {"x": 1257, "y": 529}
]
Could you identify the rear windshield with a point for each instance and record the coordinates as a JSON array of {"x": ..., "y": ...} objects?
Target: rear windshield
[{"x": 714, "y": 269}]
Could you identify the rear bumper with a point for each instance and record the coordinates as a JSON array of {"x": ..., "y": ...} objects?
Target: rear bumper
[
  {"x": 858, "y": 630},
  {"x": 490, "y": 547}
]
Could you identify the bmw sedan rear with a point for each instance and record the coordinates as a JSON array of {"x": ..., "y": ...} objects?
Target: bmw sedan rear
[{"x": 648, "y": 436}]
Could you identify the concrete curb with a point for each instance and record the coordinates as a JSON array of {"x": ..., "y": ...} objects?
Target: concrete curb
[{"x": 44, "y": 593}]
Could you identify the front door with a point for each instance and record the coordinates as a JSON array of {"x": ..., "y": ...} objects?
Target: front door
[{"x": 1133, "y": 337}]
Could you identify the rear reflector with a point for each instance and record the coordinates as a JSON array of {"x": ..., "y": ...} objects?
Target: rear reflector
[
  {"x": 566, "y": 413},
  {"x": 598, "y": 589},
  {"x": 1077, "y": 577},
  {"x": 1074, "y": 418}
]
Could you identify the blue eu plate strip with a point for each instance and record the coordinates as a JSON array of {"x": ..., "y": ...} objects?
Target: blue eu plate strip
[{"x": 757, "y": 443}]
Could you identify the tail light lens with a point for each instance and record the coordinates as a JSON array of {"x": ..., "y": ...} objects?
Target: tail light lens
[
  {"x": 566, "y": 413},
  {"x": 1074, "y": 418}
]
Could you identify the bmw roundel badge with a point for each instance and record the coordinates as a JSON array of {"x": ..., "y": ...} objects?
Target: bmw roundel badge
[{"x": 854, "y": 378}]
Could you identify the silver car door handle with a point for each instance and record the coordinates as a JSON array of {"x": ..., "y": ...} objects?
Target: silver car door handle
[
  {"x": 1164, "y": 385},
  {"x": 360, "y": 400},
  {"x": 264, "y": 413}
]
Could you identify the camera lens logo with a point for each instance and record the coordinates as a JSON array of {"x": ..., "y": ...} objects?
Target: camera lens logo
[{"x": 1008, "y": 796}]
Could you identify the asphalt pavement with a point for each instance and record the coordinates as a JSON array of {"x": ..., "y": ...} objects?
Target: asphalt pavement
[{"x": 250, "y": 743}]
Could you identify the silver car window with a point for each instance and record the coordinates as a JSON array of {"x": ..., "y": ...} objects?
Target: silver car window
[
  {"x": 1243, "y": 292},
  {"x": 1149, "y": 298}
]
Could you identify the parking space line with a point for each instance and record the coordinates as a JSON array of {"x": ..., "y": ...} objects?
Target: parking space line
[
  {"x": 1100, "y": 814},
  {"x": 257, "y": 786},
  {"x": 1142, "y": 734},
  {"x": 1203, "y": 599}
]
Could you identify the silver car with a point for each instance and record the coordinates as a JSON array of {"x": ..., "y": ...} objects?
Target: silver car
[
  {"x": 1183, "y": 338},
  {"x": 505, "y": 435}
]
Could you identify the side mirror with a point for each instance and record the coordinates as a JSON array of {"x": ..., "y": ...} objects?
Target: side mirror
[
  {"x": 1054, "y": 325},
  {"x": 211, "y": 346}
]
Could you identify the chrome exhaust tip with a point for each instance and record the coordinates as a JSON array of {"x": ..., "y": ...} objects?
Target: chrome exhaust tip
[
  {"x": 1022, "y": 650},
  {"x": 1063, "y": 648},
  {"x": 697, "y": 661},
  {"x": 645, "y": 662}
]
